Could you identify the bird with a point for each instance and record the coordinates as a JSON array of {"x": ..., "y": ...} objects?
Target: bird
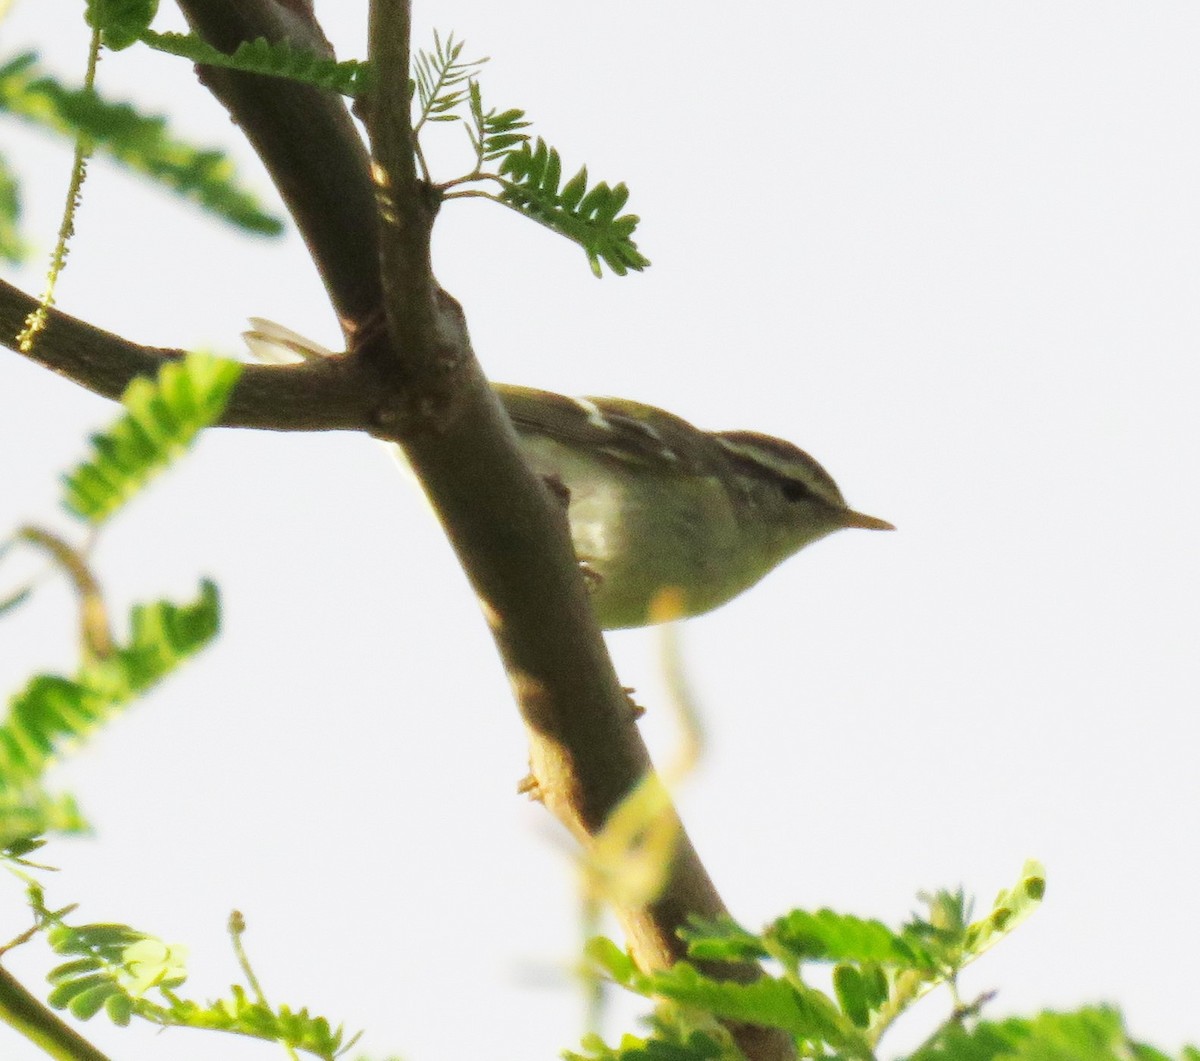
[{"x": 667, "y": 520}]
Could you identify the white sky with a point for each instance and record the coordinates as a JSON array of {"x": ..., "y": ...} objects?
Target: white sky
[{"x": 949, "y": 248}]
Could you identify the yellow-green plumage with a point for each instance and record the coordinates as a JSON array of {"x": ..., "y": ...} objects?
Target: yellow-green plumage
[
  {"x": 673, "y": 521},
  {"x": 669, "y": 520}
]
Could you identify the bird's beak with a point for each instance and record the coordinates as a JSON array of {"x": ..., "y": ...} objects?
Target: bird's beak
[{"x": 850, "y": 518}]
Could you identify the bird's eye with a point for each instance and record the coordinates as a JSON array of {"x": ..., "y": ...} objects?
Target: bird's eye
[{"x": 793, "y": 490}]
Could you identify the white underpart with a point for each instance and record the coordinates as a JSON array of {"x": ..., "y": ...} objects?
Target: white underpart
[{"x": 594, "y": 495}]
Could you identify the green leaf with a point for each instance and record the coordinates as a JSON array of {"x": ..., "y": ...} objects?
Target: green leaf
[
  {"x": 1094, "y": 1033},
  {"x": 17, "y": 851},
  {"x": 86, "y": 1004},
  {"x": 829, "y": 936},
  {"x": 118, "y": 966},
  {"x": 552, "y": 174},
  {"x": 722, "y": 939},
  {"x": 509, "y": 119},
  {"x": 102, "y": 938},
  {"x": 1011, "y": 907},
  {"x": 119, "y": 1008},
  {"x": 611, "y": 959},
  {"x": 279, "y": 59},
  {"x": 26, "y": 810},
  {"x": 295, "y": 1028},
  {"x": 492, "y": 134},
  {"x": 12, "y": 248},
  {"x": 953, "y": 1042},
  {"x": 590, "y": 219},
  {"x": 852, "y": 994},
  {"x": 72, "y": 970},
  {"x": 875, "y": 984},
  {"x": 121, "y": 22},
  {"x": 135, "y": 140},
  {"x": 52, "y": 711},
  {"x": 696, "y": 1047},
  {"x": 68, "y": 990},
  {"x": 773, "y": 1003},
  {"x": 572, "y": 193},
  {"x": 437, "y": 76},
  {"x": 162, "y": 419},
  {"x": 501, "y": 142}
]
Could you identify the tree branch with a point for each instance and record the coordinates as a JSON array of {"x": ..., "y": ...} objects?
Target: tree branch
[
  {"x": 324, "y": 395},
  {"x": 310, "y": 146},
  {"x": 418, "y": 383},
  {"x": 513, "y": 540},
  {"x": 408, "y": 205},
  {"x": 22, "y": 1011}
]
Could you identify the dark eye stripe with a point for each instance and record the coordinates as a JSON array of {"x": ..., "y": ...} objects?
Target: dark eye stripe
[
  {"x": 775, "y": 460},
  {"x": 794, "y": 490}
]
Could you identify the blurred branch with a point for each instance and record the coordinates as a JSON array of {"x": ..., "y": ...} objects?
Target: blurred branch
[
  {"x": 24, "y": 1013},
  {"x": 95, "y": 636}
]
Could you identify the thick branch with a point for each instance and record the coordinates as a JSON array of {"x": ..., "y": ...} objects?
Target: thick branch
[
  {"x": 407, "y": 206},
  {"x": 310, "y": 146},
  {"x": 586, "y": 753},
  {"x": 418, "y": 382},
  {"x": 316, "y": 396},
  {"x": 509, "y": 531}
]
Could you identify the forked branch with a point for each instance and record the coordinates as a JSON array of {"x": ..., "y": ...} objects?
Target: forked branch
[{"x": 416, "y": 381}]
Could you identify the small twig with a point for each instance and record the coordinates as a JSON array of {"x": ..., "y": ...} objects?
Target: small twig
[
  {"x": 36, "y": 321},
  {"x": 21, "y": 940},
  {"x": 17, "y": 597},
  {"x": 680, "y": 694},
  {"x": 594, "y": 985},
  {"x": 960, "y": 1014},
  {"x": 471, "y": 193},
  {"x": 237, "y": 925},
  {"x": 94, "y": 633}
]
